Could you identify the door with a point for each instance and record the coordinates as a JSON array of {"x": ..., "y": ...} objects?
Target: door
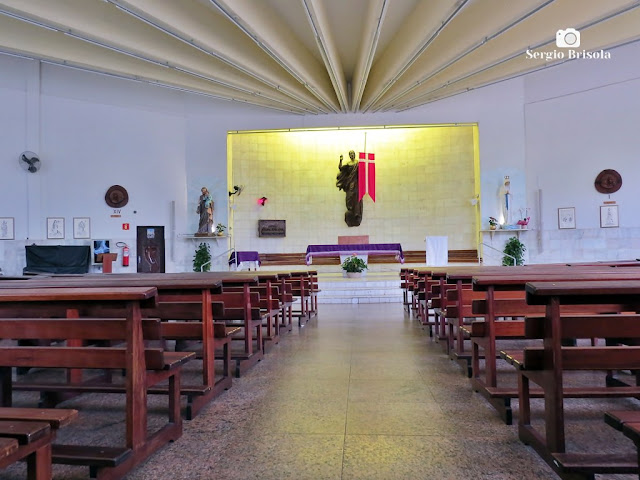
[{"x": 150, "y": 249}]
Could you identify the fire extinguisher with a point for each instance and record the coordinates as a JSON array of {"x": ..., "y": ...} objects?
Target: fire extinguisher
[{"x": 125, "y": 253}]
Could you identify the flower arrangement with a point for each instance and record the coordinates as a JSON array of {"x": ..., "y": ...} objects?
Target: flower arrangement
[
  {"x": 220, "y": 228},
  {"x": 493, "y": 221},
  {"x": 353, "y": 264}
]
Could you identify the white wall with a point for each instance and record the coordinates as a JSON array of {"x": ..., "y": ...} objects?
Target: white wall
[
  {"x": 90, "y": 132},
  {"x": 551, "y": 131},
  {"x": 582, "y": 118}
]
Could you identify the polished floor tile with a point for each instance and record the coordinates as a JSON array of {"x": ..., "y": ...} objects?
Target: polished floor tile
[{"x": 381, "y": 457}]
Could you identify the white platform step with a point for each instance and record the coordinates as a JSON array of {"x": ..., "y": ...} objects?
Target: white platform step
[{"x": 374, "y": 287}]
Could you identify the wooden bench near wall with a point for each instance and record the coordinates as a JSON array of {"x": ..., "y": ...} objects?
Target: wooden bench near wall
[{"x": 410, "y": 256}]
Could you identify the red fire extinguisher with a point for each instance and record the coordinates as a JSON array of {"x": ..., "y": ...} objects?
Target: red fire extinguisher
[{"x": 125, "y": 253}]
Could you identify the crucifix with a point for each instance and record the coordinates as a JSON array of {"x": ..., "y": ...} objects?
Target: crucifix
[{"x": 367, "y": 173}]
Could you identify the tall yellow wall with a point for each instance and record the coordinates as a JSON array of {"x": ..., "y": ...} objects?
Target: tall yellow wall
[{"x": 424, "y": 182}]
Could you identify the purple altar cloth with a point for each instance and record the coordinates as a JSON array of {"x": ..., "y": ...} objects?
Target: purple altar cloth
[
  {"x": 244, "y": 257},
  {"x": 359, "y": 248}
]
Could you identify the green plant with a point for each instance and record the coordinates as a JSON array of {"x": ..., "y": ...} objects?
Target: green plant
[
  {"x": 515, "y": 248},
  {"x": 353, "y": 264},
  {"x": 220, "y": 228},
  {"x": 202, "y": 259},
  {"x": 493, "y": 221}
]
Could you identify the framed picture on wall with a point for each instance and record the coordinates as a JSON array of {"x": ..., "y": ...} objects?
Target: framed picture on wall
[
  {"x": 609, "y": 216},
  {"x": 567, "y": 217},
  {"x": 55, "y": 227},
  {"x": 7, "y": 228},
  {"x": 81, "y": 227}
]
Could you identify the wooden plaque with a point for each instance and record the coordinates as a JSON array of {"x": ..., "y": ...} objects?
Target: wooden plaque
[{"x": 272, "y": 228}]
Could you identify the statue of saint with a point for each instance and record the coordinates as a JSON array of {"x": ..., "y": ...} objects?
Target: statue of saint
[
  {"x": 347, "y": 180},
  {"x": 205, "y": 210},
  {"x": 506, "y": 201}
]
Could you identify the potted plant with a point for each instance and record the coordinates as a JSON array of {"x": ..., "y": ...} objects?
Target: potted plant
[
  {"x": 220, "y": 228},
  {"x": 516, "y": 249},
  {"x": 354, "y": 266},
  {"x": 202, "y": 259},
  {"x": 493, "y": 223}
]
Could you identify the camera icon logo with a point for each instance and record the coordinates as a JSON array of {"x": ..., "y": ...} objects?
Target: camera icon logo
[{"x": 569, "y": 38}]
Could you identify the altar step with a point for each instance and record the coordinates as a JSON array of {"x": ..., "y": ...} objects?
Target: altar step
[{"x": 374, "y": 287}]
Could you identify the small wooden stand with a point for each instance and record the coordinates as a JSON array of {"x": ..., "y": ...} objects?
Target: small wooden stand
[{"x": 107, "y": 262}]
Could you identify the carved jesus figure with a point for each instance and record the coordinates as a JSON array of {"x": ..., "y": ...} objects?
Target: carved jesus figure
[{"x": 347, "y": 180}]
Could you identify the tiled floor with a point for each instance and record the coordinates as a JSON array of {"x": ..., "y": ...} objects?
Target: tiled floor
[{"x": 361, "y": 392}]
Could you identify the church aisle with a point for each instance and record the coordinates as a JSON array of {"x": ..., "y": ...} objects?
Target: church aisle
[{"x": 359, "y": 393}]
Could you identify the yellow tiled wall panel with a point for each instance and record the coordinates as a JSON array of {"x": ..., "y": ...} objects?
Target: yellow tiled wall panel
[{"x": 424, "y": 183}]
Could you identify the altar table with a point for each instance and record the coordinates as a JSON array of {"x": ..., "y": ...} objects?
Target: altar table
[
  {"x": 245, "y": 259},
  {"x": 358, "y": 249}
]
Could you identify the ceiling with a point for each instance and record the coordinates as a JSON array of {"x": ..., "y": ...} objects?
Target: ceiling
[{"x": 312, "y": 56}]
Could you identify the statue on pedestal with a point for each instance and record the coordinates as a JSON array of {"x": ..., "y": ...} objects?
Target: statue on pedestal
[
  {"x": 205, "y": 210},
  {"x": 506, "y": 202}
]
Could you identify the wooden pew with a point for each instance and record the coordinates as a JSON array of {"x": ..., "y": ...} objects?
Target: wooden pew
[
  {"x": 405, "y": 283},
  {"x": 420, "y": 290},
  {"x": 413, "y": 278},
  {"x": 413, "y": 289},
  {"x": 241, "y": 311},
  {"x": 144, "y": 367},
  {"x": 486, "y": 383},
  {"x": 245, "y": 358},
  {"x": 269, "y": 302},
  {"x": 423, "y": 290},
  {"x": 628, "y": 422},
  {"x": 444, "y": 280},
  {"x": 436, "y": 282},
  {"x": 459, "y": 310},
  {"x": 545, "y": 366},
  {"x": 27, "y": 434},
  {"x": 184, "y": 305},
  {"x": 305, "y": 286},
  {"x": 463, "y": 324},
  {"x": 186, "y": 325},
  {"x": 427, "y": 290},
  {"x": 285, "y": 296},
  {"x": 314, "y": 289}
]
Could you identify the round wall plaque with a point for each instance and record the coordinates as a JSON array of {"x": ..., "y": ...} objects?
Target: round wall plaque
[
  {"x": 608, "y": 181},
  {"x": 116, "y": 196}
]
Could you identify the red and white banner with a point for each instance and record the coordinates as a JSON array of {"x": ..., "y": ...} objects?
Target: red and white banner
[{"x": 367, "y": 175}]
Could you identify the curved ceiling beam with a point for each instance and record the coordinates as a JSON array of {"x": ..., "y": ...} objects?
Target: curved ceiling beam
[
  {"x": 368, "y": 44},
  {"x": 124, "y": 34},
  {"x": 421, "y": 27},
  {"x": 324, "y": 39},
  {"x": 271, "y": 34},
  {"x": 476, "y": 25},
  {"x": 513, "y": 43},
  {"x": 378, "y": 55},
  {"x": 207, "y": 30},
  {"x": 133, "y": 78},
  {"x": 32, "y": 40},
  {"x": 609, "y": 32}
]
